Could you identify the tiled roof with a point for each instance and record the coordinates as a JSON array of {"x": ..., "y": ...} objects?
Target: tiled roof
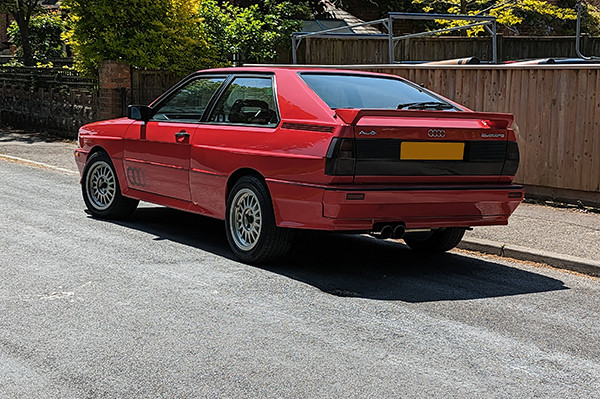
[{"x": 337, "y": 13}]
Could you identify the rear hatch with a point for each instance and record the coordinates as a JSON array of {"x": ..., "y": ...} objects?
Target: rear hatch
[{"x": 421, "y": 146}]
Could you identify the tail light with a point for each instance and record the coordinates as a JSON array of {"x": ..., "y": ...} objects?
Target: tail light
[
  {"x": 341, "y": 157},
  {"x": 511, "y": 165}
]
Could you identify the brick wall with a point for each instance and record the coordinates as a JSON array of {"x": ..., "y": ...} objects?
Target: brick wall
[
  {"x": 114, "y": 80},
  {"x": 4, "y": 22}
]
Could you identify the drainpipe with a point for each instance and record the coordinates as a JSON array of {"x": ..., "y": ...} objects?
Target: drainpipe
[{"x": 579, "y": 8}]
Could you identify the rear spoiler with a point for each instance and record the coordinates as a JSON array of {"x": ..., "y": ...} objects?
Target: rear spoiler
[{"x": 496, "y": 120}]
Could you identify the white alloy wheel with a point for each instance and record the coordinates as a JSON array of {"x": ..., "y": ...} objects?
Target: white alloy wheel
[
  {"x": 245, "y": 219},
  {"x": 101, "y": 190},
  {"x": 101, "y": 185}
]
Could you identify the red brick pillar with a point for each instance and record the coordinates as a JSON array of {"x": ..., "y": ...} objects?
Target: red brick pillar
[
  {"x": 114, "y": 83},
  {"x": 4, "y": 22}
]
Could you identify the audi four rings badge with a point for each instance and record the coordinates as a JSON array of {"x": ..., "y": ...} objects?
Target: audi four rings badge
[
  {"x": 136, "y": 177},
  {"x": 371, "y": 133},
  {"x": 438, "y": 133}
]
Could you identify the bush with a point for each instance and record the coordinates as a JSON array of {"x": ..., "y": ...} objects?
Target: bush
[
  {"x": 149, "y": 34},
  {"x": 45, "y": 32}
]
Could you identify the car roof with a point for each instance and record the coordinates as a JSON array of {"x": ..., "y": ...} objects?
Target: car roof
[{"x": 292, "y": 69}]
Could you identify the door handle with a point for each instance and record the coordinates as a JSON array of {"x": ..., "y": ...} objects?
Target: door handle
[{"x": 182, "y": 134}]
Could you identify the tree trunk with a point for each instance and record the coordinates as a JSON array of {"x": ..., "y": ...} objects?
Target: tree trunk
[
  {"x": 25, "y": 43},
  {"x": 22, "y": 14}
]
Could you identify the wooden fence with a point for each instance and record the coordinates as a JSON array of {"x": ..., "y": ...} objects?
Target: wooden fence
[
  {"x": 557, "y": 114},
  {"x": 556, "y": 108},
  {"x": 343, "y": 51},
  {"x": 146, "y": 85}
]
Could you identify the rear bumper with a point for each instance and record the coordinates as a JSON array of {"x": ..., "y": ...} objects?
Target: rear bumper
[{"x": 358, "y": 208}]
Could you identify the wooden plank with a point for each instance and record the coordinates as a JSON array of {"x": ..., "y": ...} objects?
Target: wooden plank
[
  {"x": 577, "y": 135},
  {"x": 595, "y": 131},
  {"x": 588, "y": 162},
  {"x": 552, "y": 82}
]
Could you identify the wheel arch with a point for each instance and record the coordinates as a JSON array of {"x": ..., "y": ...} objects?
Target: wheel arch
[
  {"x": 238, "y": 174},
  {"x": 98, "y": 148},
  {"x": 116, "y": 163}
]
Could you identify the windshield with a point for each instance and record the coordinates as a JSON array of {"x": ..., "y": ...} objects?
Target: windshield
[{"x": 371, "y": 92}]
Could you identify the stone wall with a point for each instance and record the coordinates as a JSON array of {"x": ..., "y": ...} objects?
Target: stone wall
[{"x": 59, "y": 100}]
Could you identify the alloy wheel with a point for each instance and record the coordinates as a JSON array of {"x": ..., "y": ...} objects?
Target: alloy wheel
[
  {"x": 101, "y": 185},
  {"x": 246, "y": 220}
]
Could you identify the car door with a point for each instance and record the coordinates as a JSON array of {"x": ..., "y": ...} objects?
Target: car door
[
  {"x": 157, "y": 153},
  {"x": 236, "y": 134}
]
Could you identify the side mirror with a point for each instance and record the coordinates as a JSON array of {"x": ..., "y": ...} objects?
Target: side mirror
[{"x": 139, "y": 112}]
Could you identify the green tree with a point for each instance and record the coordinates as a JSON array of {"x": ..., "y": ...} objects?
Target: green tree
[
  {"x": 253, "y": 33},
  {"x": 22, "y": 11},
  {"x": 179, "y": 35},
  {"x": 532, "y": 16},
  {"x": 45, "y": 32},
  {"x": 369, "y": 10},
  {"x": 152, "y": 34},
  {"x": 316, "y": 7}
]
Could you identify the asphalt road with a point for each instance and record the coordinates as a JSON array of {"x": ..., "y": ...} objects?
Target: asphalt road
[{"x": 155, "y": 307}]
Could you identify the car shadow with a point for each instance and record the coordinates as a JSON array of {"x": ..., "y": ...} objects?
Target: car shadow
[{"x": 357, "y": 266}]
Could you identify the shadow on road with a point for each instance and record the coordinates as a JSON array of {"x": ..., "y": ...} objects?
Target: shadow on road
[
  {"x": 358, "y": 266},
  {"x": 9, "y": 135}
]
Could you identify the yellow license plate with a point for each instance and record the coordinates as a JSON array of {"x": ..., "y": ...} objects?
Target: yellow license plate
[{"x": 413, "y": 151}]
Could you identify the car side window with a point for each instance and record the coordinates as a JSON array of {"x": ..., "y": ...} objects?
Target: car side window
[
  {"x": 189, "y": 102},
  {"x": 247, "y": 101}
]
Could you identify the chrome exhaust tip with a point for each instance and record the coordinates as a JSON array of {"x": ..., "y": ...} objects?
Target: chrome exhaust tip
[
  {"x": 386, "y": 232},
  {"x": 399, "y": 231}
]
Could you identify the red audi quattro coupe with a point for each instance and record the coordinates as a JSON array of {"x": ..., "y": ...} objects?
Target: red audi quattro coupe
[{"x": 271, "y": 150}]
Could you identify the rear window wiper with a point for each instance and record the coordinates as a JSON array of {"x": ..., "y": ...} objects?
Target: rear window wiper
[{"x": 425, "y": 105}]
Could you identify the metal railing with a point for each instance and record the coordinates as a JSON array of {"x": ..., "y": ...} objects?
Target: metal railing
[
  {"x": 579, "y": 8},
  {"x": 488, "y": 22}
]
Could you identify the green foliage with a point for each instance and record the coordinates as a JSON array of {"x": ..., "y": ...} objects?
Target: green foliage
[
  {"x": 369, "y": 10},
  {"x": 45, "y": 32},
  {"x": 178, "y": 35},
  {"x": 22, "y": 11},
  {"x": 151, "y": 34},
  {"x": 535, "y": 17},
  {"x": 14, "y": 7},
  {"x": 255, "y": 32}
]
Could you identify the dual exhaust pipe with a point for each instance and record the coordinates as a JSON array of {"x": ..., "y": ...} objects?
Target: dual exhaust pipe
[{"x": 390, "y": 231}]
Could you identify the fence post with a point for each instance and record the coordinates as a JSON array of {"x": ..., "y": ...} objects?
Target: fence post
[{"x": 114, "y": 79}]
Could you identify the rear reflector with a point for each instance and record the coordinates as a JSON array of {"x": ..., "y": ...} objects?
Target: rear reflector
[
  {"x": 355, "y": 196},
  {"x": 514, "y": 195}
]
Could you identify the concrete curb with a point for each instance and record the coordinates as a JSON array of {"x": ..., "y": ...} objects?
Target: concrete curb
[
  {"x": 567, "y": 262},
  {"x": 38, "y": 164}
]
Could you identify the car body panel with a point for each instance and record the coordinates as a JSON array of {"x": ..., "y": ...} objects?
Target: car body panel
[{"x": 156, "y": 160}]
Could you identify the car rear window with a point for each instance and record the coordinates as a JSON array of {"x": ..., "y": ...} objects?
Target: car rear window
[{"x": 371, "y": 92}]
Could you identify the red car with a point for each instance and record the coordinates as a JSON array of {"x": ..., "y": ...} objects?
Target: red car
[{"x": 270, "y": 150}]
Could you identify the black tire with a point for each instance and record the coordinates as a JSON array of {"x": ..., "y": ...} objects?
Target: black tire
[
  {"x": 101, "y": 190},
  {"x": 250, "y": 224},
  {"x": 437, "y": 241}
]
